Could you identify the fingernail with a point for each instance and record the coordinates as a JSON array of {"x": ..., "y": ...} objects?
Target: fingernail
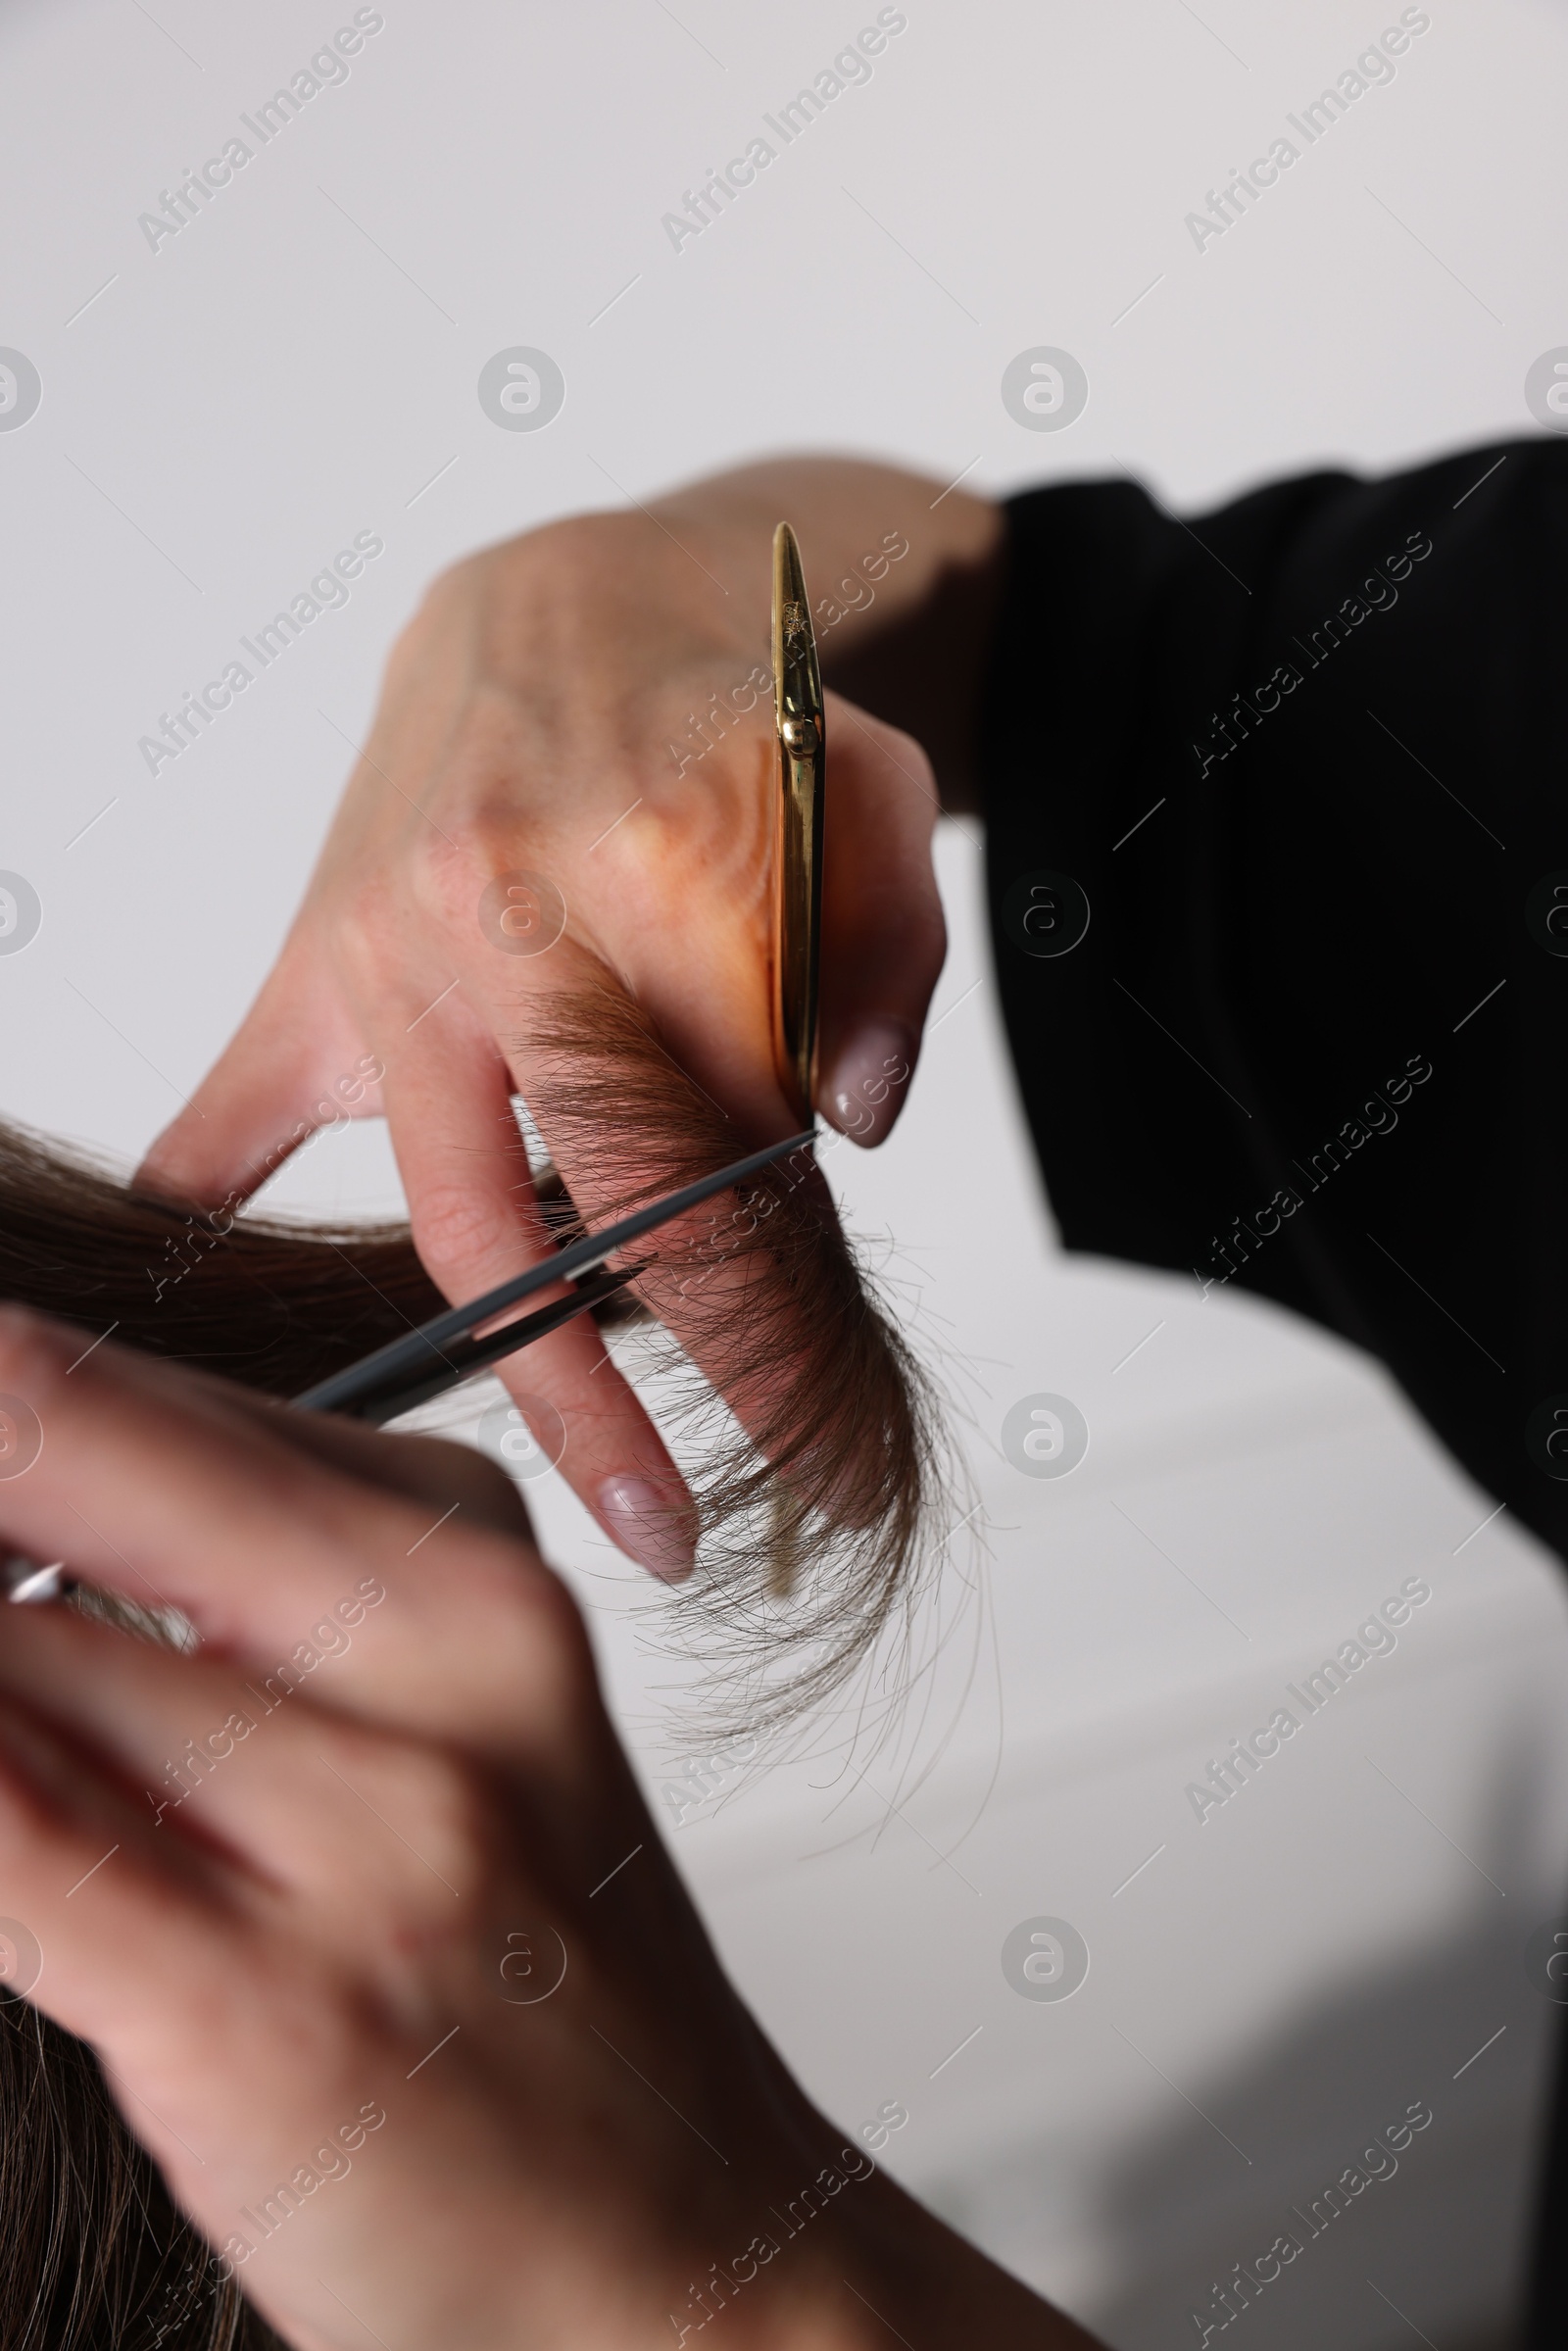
[
  {"x": 639, "y": 1515},
  {"x": 869, "y": 1079}
]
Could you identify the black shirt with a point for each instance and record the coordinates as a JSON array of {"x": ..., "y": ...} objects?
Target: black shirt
[
  {"x": 1311, "y": 1041},
  {"x": 1302, "y": 767}
]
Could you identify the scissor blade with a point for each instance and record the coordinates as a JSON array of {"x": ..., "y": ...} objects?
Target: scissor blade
[
  {"x": 408, "y": 1358},
  {"x": 464, "y": 1359}
]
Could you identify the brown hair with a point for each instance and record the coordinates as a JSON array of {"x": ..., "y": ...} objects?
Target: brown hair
[
  {"x": 96, "y": 2257},
  {"x": 267, "y": 1303},
  {"x": 825, "y": 1495}
]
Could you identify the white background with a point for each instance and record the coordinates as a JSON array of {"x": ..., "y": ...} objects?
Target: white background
[{"x": 222, "y": 415}]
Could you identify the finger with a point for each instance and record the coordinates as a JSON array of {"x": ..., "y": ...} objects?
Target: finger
[
  {"x": 883, "y": 936},
  {"x": 261, "y": 1778},
  {"x": 433, "y": 1470},
  {"x": 86, "y": 1874},
  {"x": 475, "y": 1223},
  {"x": 222, "y": 2046},
  {"x": 297, "y": 1063},
  {"x": 83, "y": 1870},
  {"x": 136, "y": 1726},
  {"x": 150, "y": 1483}
]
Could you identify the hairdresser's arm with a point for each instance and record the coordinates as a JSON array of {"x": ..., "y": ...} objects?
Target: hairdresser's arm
[
  {"x": 588, "y": 704},
  {"x": 389, "y": 1970}
]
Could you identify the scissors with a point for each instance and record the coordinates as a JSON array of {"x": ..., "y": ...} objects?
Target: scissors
[
  {"x": 443, "y": 1352},
  {"x": 799, "y": 719}
]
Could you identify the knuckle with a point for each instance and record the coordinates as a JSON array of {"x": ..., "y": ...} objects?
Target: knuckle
[
  {"x": 447, "y": 1818},
  {"x": 452, "y": 1817},
  {"x": 550, "y": 1625},
  {"x": 477, "y": 1480},
  {"x": 535, "y": 1639},
  {"x": 484, "y": 832},
  {"x": 494, "y": 1496},
  {"x": 449, "y": 869}
]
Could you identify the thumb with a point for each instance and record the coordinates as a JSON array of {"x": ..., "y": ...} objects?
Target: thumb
[{"x": 884, "y": 940}]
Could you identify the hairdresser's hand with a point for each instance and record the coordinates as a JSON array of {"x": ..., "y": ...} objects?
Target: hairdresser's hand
[
  {"x": 361, "y": 1908},
  {"x": 588, "y": 707}
]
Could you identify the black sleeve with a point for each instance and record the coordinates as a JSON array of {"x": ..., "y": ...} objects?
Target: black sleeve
[{"x": 1302, "y": 767}]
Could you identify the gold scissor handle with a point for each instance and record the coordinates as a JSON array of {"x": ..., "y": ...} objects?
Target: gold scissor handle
[{"x": 798, "y": 718}]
